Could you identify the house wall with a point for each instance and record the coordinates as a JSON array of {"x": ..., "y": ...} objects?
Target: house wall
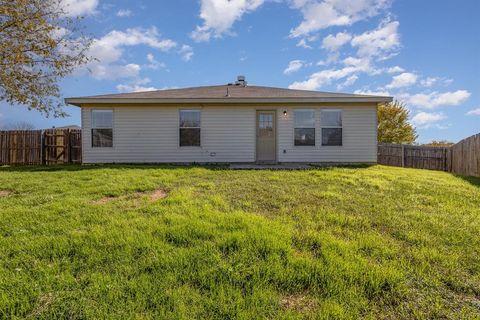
[{"x": 150, "y": 134}]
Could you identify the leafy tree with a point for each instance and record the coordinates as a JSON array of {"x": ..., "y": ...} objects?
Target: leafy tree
[
  {"x": 439, "y": 143},
  {"x": 39, "y": 45},
  {"x": 393, "y": 125}
]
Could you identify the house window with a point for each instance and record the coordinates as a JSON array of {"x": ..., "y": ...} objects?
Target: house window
[
  {"x": 331, "y": 122},
  {"x": 102, "y": 128},
  {"x": 304, "y": 127},
  {"x": 189, "y": 128}
]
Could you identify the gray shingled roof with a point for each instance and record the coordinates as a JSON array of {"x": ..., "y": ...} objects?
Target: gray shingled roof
[{"x": 227, "y": 93}]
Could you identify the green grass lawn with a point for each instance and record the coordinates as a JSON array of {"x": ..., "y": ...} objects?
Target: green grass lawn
[{"x": 194, "y": 243}]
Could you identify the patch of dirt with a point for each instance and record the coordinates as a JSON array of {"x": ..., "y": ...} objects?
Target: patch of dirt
[
  {"x": 158, "y": 194},
  {"x": 298, "y": 302},
  {"x": 154, "y": 196},
  {"x": 45, "y": 301},
  {"x": 4, "y": 193},
  {"x": 105, "y": 200}
]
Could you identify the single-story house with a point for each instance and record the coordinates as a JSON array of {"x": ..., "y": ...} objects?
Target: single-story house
[{"x": 233, "y": 123}]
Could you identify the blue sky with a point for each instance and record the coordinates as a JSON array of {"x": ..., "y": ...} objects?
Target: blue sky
[{"x": 424, "y": 53}]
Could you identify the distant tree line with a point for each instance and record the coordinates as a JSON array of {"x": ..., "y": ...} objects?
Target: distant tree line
[{"x": 20, "y": 125}]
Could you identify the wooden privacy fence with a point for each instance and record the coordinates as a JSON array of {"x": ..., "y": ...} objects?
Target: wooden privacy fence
[
  {"x": 51, "y": 146},
  {"x": 54, "y": 146},
  {"x": 21, "y": 147},
  {"x": 408, "y": 156},
  {"x": 462, "y": 158}
]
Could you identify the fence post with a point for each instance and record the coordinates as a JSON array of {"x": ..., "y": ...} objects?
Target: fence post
[
  {"x": 403, "y": 155},
  {"x": 8, "y": 147},
  {"x": 69, "y": 146},
  {"x": 450, "y": 158},
  {"x": 445, "y": 159},
  {"x": 24, "y": 145},
  {"x": 42, "y": 147}
]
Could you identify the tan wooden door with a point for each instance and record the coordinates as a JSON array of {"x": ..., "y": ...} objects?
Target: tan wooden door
[{"x": 266, "y": 136}]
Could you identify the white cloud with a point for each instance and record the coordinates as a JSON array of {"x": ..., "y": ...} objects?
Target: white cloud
[
  {"x": 361, "y": 64},
  {"x": 109, "y": 50},
  {"x": 428, "y": 82},
  {"x": 425, "y": 120},
  {"x": 136, "y": 85},
  {"x": 111, "y": 72},
  {"x": 293, "y": 66},
  {"x": 303, "y": 44},
  {"x": 352, "y": 66},
  {"x": 436, "y": 99},
  {"x": 319, "y": 79},
  {"x": 377, "y": 44},
  {"x": 219, "y": 16},
  {"x": 124, "y": 13},
  {"x": 331, "y": 58},
  {"x": 187, "y": 52},
  {"x": 403, "y": 80},
  {"x": 395, "y": 69},
  {"x": 334, "y": 43},
  {"x": 373, "y": 93},
  {"x": 321, "y": 14},
  {"x": 136, "y": 36},
  {"x": 153, "y": 63},
  {"x": 75, "y": 8},
  {"x": 474, "y": 112},
  {"x": 381, "y": 43},
  {"x": 350, "y": 81},
  {"x": 431, "y": 81},
  {"x": 324, "y": 77}
]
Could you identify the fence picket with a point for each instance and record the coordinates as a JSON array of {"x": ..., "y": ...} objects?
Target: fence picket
[
  {"x": 53, "y": 146},
  {"x": 465, "y": 157},
  {"x": 462, "y": 158},
  {"x": 34, "y": 147}
]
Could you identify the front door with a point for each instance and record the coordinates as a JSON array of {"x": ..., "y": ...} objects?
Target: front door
[{"x": 266, "y": 143}]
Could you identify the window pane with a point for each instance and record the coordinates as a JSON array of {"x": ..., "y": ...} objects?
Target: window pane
[
  {"x": 304, "y": 119},
  {"x": 189, "y": 119},
  {"x": 102, "y": 138},
  {"x": 102, "y": 118},
  {"x": 305, "y": 137},
  {"x": 189, "y": 137},
  {"x": 331, "y": 137},
  {"x": 331, "y": 118},
  {"x": 265, "y": 121}
]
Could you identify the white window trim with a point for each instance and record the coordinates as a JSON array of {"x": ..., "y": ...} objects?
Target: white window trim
[
  {"x": 314, "y": 127},
  {"x": 331, "y": 127},
  {"x": 179, "y": 127},
  {"x": 92, "y": 111}
]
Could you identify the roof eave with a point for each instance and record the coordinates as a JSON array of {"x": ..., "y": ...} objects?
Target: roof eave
[{"x": 80, "y": 101}]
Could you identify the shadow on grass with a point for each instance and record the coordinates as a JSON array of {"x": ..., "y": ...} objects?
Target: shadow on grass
[
  {"x": 213, "y": 167},
  {"x": 472, "y": 180},
  {"x": 73, "y": 167},
  {"x": 328, "y": 166}
]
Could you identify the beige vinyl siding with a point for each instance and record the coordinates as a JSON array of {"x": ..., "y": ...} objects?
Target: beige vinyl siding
[
  {"x": 359, "y": 137},
  {"x": 150, "y": 134}
]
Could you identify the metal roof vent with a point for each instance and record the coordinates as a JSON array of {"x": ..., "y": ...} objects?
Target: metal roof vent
[{"x": 241, "y": 81}]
